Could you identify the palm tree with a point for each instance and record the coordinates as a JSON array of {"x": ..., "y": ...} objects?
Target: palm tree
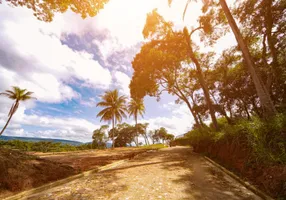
[
  {"x": 18, "y": 95},
  {"x": 136, "y": 107},
  {"x": 114, "y": 108}
]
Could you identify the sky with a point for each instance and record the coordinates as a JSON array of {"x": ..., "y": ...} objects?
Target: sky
[{"x": 69, "y": 62}]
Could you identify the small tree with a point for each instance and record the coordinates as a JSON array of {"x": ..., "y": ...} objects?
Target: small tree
[{"x": 99, "y": 137}]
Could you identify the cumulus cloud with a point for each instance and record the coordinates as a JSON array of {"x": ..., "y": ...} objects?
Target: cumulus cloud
[
  {"x": 179, "y": 122},
  {"x": 122, "y": 82},
  {"x": 91, "y": 102},
  {"x": 55, "y": 127},
  {"x": 37, "y": 59}
]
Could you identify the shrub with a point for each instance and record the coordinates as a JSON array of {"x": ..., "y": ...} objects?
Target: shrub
[{"x": 265, "y": 138}]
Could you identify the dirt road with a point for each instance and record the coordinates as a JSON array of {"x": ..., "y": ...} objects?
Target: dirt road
[{"x": 172, "y": 173}]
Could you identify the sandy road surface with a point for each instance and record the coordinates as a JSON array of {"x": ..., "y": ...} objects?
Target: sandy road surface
[{"x": 172, "y": 173}]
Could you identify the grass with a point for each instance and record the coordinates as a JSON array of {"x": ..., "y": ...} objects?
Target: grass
[{"x": 153, "y": 146}]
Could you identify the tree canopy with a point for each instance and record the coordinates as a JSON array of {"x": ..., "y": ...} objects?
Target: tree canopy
[{"x": 46, "y": 9}]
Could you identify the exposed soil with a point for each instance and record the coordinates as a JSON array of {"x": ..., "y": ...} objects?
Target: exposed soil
[
  {"x": 20, "y": 171},
  {"x": 236, "y": 156},
  {"x": 86, "y": 160},
  {"x": 171, "y": 174}
]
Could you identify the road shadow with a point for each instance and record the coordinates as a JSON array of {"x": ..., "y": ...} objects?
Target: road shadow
[{"x": 201, "y": 179}]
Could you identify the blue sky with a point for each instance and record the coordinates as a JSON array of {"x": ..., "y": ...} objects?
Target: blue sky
[{"x": 70, "y": 62}]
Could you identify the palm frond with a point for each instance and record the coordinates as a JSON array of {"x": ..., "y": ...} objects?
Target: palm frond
[
  {"x": 105, "y": 110},
  {"x": 5, "y": 94},
  {"x": 186, "y": 7},
  {"x": 114, "y": 106},
  {"x": 103, "y": 104}
]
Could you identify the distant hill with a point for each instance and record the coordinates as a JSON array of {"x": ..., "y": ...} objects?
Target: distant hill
[{"x": 29, "y": 139}]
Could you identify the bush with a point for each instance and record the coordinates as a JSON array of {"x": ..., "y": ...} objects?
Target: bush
[{"x": 267, "y": 139}]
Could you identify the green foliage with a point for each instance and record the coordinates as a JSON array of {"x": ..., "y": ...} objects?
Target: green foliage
[
  {"x": 162, "y": 135},
  {"x": 154, "y": 146},
  {"x": 99, "y": 138},
  {"x": 136, "y": 107},
  {"x": 45, "y": 10},
  {"x": 114, "y": 106},
  {"x": 43, "y": 146},
  {"x": 265, "y": 139}
]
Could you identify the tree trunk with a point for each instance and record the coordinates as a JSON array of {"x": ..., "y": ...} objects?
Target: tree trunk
[
  {"x": 113, "y": 123},
  {"x": 144, "y": 139},
  {"x": 11, "y": 113},
  {"x": 255, "y": 108},
  {"x": 184, "y": 98},
  {"x": 221, "y": 109},
  {"x": 269, "y": 26},
  {"x": 136, "y": 137},
  {"x": 147, "y": 141},
  {"x": 6, "y": 124},
  {"x": 202, "y": 81},
  {"x": 261, "y": 90},
  {"x": 230, "y": 111},
  {"x": 244, "y": 104}
]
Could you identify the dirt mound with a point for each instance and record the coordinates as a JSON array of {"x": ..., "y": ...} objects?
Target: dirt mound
[{"x": 19, "y": 171}]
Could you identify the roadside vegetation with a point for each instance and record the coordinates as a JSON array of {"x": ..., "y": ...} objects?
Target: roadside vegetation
[
  {"x": 253, "y": 148},
  {"x": 43, "y": 146}
]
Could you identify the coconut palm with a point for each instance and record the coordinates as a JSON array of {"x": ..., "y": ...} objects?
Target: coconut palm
[
  {"x": 18, "y": 95},
  {"x": 114, "y": 108},
  {"x": 136, "y": 107}
]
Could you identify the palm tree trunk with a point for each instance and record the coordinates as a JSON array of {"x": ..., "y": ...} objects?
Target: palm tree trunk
[
  {"x": 136, "y": 139},
  {"x": 113, "y": 123},
  {"x": 7, "y": 122},
  {"x": 262, "y": 92}
]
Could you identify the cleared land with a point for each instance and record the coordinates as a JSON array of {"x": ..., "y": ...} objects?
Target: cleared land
[
  {"x": 171, "y": 173},
  {"x": 20, "y": 171}
]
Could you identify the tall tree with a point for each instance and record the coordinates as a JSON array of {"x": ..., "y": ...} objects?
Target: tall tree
[
  {"x": 18, "y": 95},
  {"x": 114, "y": 108},
  {"x": 165, "y": 62},
  {"x": 262, "y": 92},
  {"x": 266, "y": 24},
  {"x": 142, "y": 130},
  {"x": 136, "y": 107}
]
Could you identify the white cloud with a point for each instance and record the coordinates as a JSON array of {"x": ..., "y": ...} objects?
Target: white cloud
[
  {"x": 33, "y": 56},
  {"x": 91, "y": 102},
  {"x": 57, "y": 127},
  {"x": 178, "y": 123},
  {"x": 122, "y": 81}
]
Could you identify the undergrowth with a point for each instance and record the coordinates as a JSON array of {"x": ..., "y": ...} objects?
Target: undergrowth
[{"x": 265, "y": 138}]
